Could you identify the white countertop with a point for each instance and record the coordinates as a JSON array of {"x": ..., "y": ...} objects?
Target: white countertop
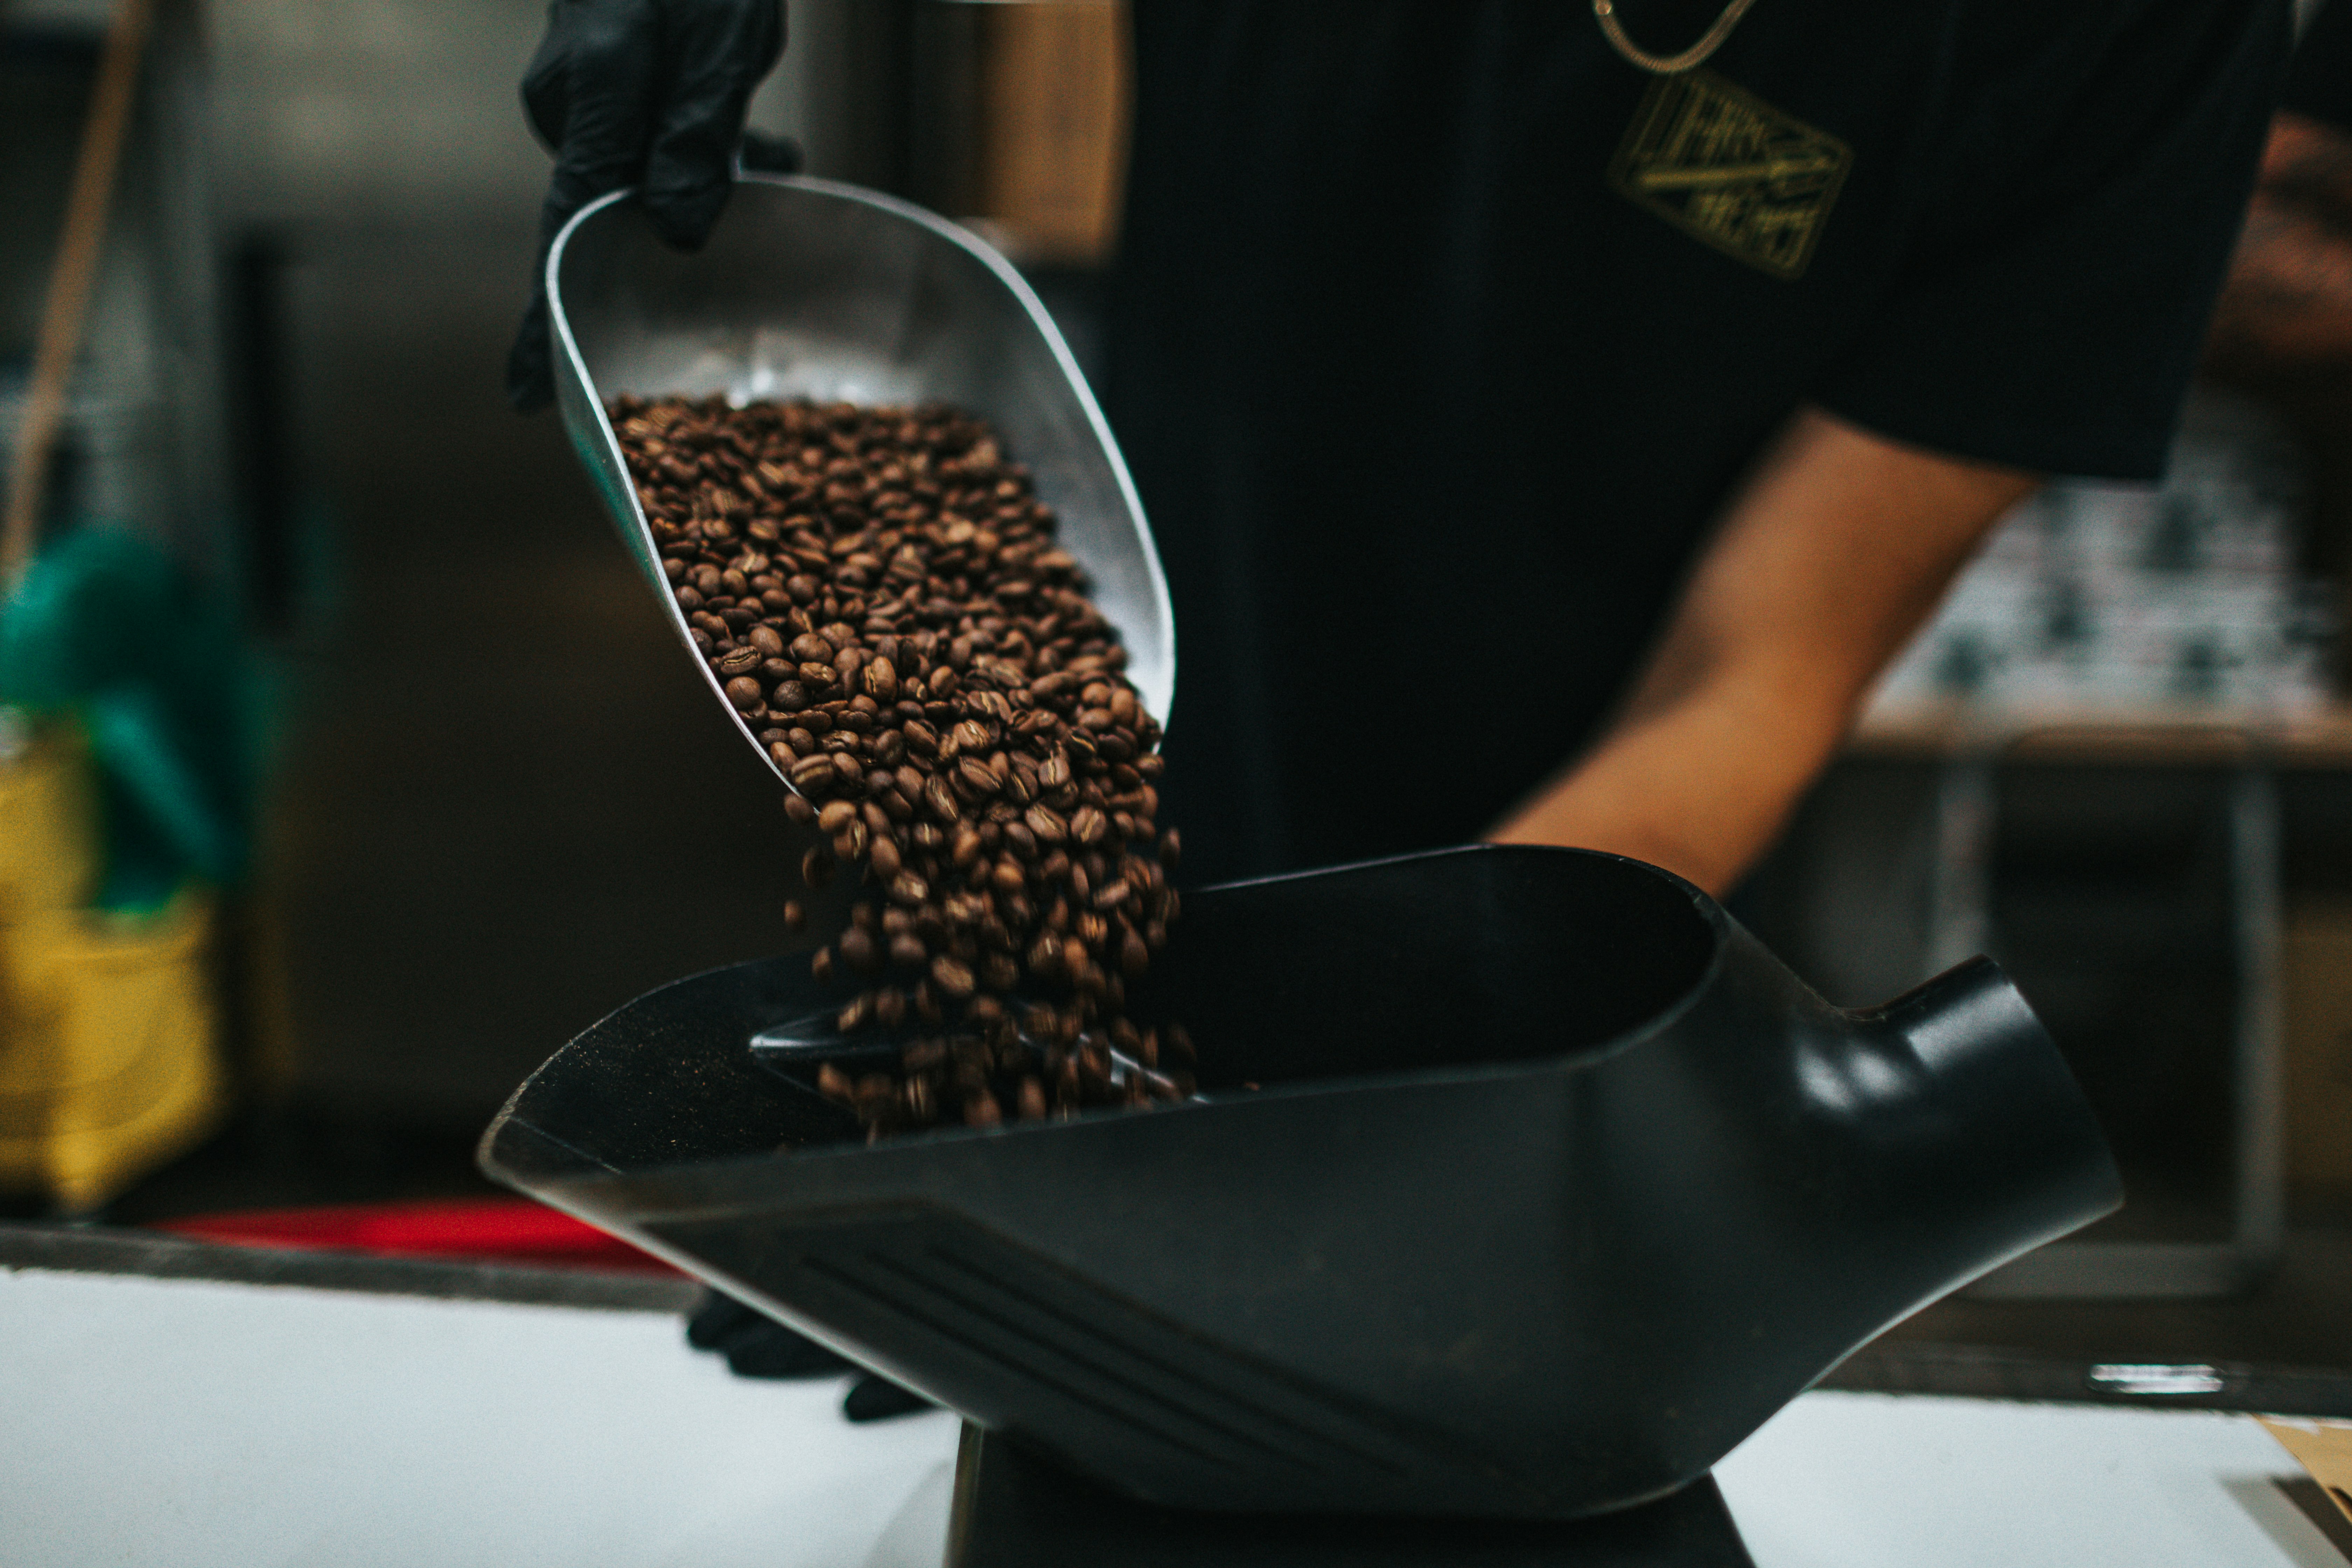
[{"x": 193, "y": 1423}]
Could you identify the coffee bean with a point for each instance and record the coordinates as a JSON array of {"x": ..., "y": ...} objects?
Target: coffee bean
[
  {"x": 953, "y": 980},
  {"x": 963, "y": 848},
  {"x": 952, "y": 717},
  {"x": 973, "y": 775}
]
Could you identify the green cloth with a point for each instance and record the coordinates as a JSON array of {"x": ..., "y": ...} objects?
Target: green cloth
[{"x": 107, "y": 628}]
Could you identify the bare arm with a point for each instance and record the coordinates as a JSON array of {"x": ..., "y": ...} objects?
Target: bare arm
[
  {"x": 2288, "y": 301},
  {"x": 1831, "y": 555}
]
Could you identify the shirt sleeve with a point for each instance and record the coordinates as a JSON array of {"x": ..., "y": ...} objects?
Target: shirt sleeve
[
  {"x": 2069, "y": 234},
  {"x": 2319, "y": 83}
]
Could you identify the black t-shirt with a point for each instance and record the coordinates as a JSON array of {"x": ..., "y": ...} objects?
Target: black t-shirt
[
  {"x": 2319, "y": 84},
  {"x": 1444, "y": 333}
]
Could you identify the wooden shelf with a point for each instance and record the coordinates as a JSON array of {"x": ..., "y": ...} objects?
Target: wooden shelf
[{"x": 2183, "y": 736}]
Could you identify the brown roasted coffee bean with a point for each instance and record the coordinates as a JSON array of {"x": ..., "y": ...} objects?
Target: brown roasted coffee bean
[
  {"x": 963, "y": 848},
  {"x": 973, "y": 775},
  {"x": 1044, "y": 958},
  {"x": 953, "y": 980},
  {"x": 954, "y": 720}
]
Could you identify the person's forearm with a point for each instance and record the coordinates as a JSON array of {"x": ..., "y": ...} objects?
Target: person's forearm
[
  {"x": 1828, "y": 561},
  {"x": 2288, "y": 298},
  {"x": 1701, "y": 787}
]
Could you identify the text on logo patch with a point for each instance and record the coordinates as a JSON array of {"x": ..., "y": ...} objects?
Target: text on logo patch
[{"x": 1730, "y": 170}]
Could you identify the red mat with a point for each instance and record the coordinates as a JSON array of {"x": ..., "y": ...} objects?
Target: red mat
[{"x": 505, "y": 1230}]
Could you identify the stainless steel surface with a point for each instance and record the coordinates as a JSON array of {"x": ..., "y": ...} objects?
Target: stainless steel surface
[{"x": 812, "y": 288}]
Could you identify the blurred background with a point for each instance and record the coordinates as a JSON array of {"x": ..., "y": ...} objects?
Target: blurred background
[{"x": 487, "y": 802}]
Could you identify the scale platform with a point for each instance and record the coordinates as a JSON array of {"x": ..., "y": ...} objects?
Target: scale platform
[{"x": 1015, "y": 1510}]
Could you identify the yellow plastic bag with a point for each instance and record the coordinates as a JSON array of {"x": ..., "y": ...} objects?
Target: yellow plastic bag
[
  {"x": 108, "y": 1058},
  {"x": 49, "y": 820}
]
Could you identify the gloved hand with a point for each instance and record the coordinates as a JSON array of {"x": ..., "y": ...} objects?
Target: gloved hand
[
  {"x": 644, "y": 92},
  {"x": 756, "y": 1345}
]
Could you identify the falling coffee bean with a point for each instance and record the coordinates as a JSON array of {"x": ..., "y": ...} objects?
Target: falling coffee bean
[{"x": 879, "y": 592}]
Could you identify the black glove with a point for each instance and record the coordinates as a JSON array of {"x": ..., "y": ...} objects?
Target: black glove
[
  {"x": 756, "y": 1345},
  {"x": 644, "y": 92}
]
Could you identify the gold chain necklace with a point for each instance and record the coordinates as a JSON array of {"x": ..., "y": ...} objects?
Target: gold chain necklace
[{"x": 1605, "y": 12}]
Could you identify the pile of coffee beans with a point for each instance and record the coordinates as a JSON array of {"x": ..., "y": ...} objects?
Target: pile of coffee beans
[{"x": 879, "y": 592}]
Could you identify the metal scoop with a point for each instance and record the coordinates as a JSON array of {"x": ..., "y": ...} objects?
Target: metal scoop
[{"x": 809, "y": 289}]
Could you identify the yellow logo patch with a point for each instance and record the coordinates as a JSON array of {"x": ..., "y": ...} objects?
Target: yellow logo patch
[{"x": 1727, "y": 168}]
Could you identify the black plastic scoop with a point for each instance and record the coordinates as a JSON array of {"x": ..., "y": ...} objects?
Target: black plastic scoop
[{"x": 1523, "y": 1183}]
